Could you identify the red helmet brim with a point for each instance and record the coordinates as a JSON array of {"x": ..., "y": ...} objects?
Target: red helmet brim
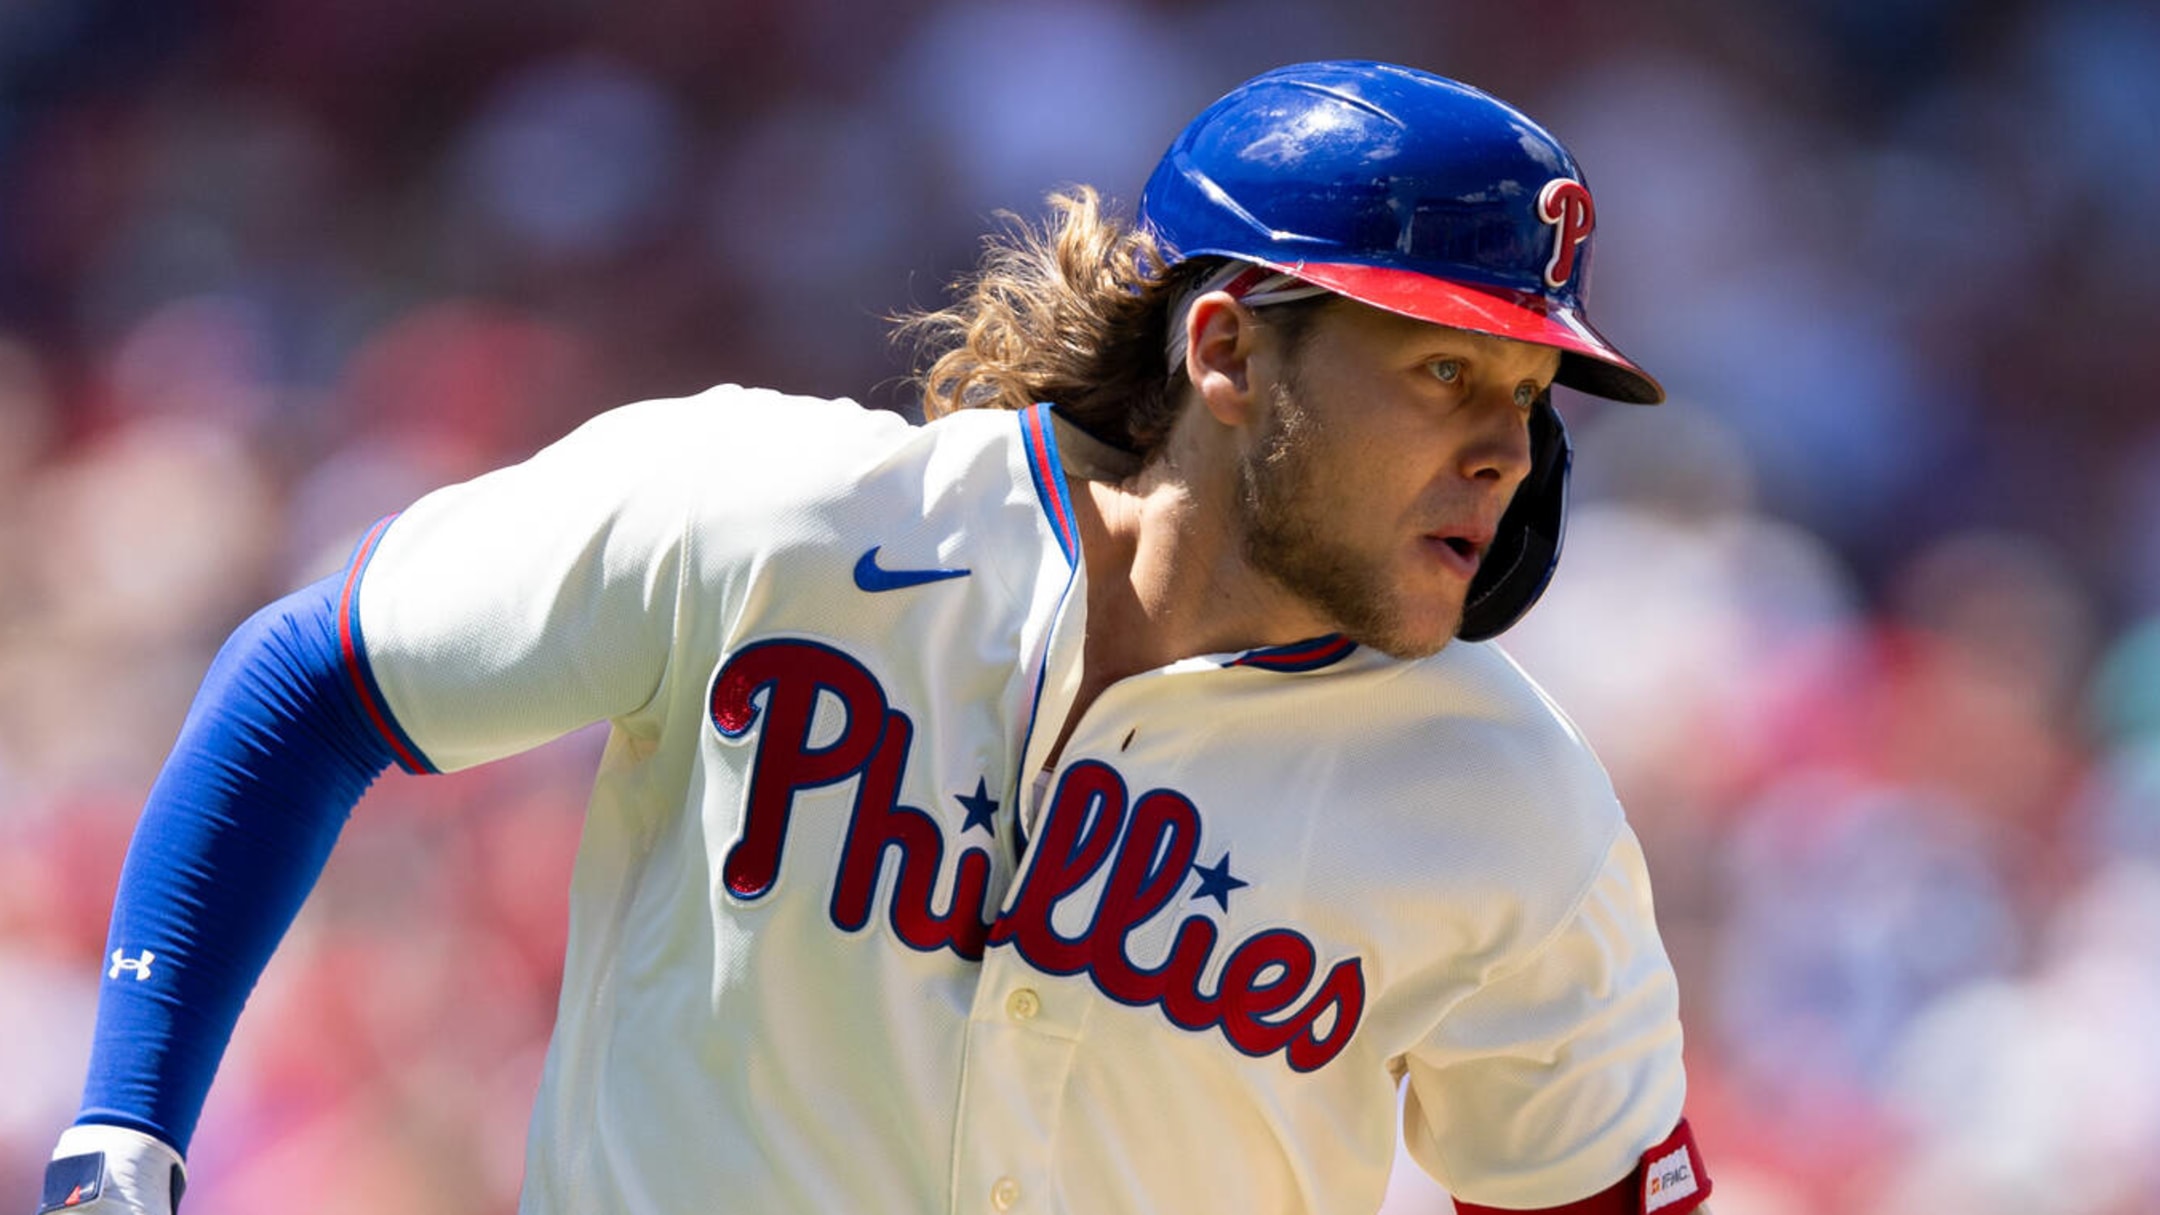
[{"x": 1589, "y": 363}]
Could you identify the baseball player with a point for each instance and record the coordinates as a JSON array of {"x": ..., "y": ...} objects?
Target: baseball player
[{"x": 1101, "y": 798}]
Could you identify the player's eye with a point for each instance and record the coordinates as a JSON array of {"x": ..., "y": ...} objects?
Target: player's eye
[{"x": 1447, "y": 371}]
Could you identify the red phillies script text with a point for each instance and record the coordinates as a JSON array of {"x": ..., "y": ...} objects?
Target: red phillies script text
[{"x": 1260, "y": 1000}]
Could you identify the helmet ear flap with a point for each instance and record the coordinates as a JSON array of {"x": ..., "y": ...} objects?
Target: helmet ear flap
[{"x": 1520, "y": 563}]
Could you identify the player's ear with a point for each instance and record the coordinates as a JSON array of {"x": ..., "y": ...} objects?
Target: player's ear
[{"x": 1218, "y": 356}]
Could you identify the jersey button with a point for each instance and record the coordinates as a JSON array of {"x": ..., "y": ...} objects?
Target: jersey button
[
  {"x": 1022, "y": 1005},
  {"x": 1004, "y": 1193}
]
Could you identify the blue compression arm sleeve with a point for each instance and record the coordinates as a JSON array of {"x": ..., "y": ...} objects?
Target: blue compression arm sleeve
[{"x": 274, "y": 754}]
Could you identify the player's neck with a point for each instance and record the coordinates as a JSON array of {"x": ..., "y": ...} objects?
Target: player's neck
[
  {"x": 1168, "y": 580},
  {"x": 1148, "y": 601}
]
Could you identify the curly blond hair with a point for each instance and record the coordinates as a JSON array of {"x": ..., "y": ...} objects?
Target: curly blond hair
[{"x": 1074, "y": 312}]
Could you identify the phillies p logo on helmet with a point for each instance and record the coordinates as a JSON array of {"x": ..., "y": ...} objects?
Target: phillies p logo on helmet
[{"x": 1565, "y": 204}]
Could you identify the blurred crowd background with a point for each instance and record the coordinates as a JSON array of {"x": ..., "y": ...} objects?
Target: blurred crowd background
[{"x": 1865, "y": 622}]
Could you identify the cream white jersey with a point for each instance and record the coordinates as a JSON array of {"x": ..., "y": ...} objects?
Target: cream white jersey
[{"x": 840, "y": 939}]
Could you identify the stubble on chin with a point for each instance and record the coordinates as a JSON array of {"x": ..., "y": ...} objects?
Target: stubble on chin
[{"x": 1282, "y": 495}]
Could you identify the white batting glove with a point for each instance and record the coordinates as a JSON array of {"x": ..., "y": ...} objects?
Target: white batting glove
[{"x": 110, "y": 1170}]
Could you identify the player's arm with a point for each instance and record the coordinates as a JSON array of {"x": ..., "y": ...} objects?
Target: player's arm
[
  {"x": 275, "y": 752},
  {"x": 489, "y": 618},
  {"x": 1558, "y": 1085}
]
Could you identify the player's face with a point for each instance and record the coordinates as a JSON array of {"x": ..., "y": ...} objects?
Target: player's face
[{"x": 1388, "y": 451}]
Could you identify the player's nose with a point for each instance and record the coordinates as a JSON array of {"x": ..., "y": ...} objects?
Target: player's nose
[{"x": 1498, "y": 448}]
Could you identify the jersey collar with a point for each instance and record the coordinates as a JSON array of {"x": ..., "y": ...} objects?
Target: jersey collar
[{"x": 1311, "y": 654}]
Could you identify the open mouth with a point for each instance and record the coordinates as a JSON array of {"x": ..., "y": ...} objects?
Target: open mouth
[{"x": 1460, "y": 552}]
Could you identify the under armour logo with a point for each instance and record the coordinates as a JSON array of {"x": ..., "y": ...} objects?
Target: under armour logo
[{"x": 141, "y": 965}]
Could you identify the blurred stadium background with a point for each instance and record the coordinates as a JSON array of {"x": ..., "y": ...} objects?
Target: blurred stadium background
[{"x": 1866, "y": 621}]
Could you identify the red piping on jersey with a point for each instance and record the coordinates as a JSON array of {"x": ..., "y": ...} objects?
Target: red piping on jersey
[
  {"x": 349, "y": 644},
  {"x": 1049, "y": 477},
  {"x": 1309, "y": 655}
]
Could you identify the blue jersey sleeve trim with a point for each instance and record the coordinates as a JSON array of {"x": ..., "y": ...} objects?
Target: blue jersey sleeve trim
[{"x": 274, "y": 754}]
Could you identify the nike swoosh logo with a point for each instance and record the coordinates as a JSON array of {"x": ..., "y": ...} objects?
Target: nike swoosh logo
[{"x": 871, "y": 577}]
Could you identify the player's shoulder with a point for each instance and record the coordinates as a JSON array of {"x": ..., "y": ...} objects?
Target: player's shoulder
[
  {"x": 1496, "y": 709},
  {"x": 733, "y": 446},
  {"x": 1459, "y": 786},
  {"x": 1499, "y": 746},
  {"x": 735, "y": 416},
  {"x": 756, "y": 425}
]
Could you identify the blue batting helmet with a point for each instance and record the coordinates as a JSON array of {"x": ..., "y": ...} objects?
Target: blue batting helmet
[{"x": 1423, "y": 196}]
